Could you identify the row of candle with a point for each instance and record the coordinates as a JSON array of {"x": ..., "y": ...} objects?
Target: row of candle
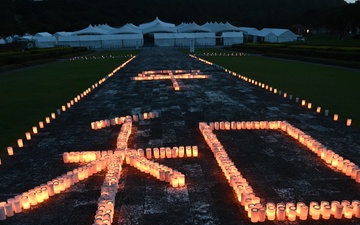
[
  {"x": 176, "y": 85},
  {"x": 100, "y": 124},
  {"x": 274, "y": 90},
  {"x": 152, "y": 72},
  {"x": 159, "y": 171},
  {"x": 243, "y": 125},
  {"x": 43, "y": 192},
  {"x": 85, "y": 156},
  {"x": 100, "y": 57},
  {"x": 336, "y": 161},
  {"x": 168, "y": 152},
  {"x": 35, "y": 129},
  {"x": 285, "y": 95},
  {"x": 244, "y": 192},
  {"x": 221, "y": 54},
  {"x": 105, "y": 211}
]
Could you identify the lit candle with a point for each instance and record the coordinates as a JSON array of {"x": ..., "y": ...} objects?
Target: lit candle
[
  {"x": 47, "y": 119},
  {"x": 315, "y": 212},
  {"x": 304, "y": 210},
  {"x": 188, "y": 151},
  {"x": 34, "y": 129},
  {"x": 10, "y": 151},
  {"x": 41, "y": 124},
  {"x": 303, "y": 102},
  {"x": 309, "y": 105},
  {"x": 195, "y": 151},
  {"x": 254, "y": 215},
  {"x": 348, "y": 122},
  {"x": 280, "y": 213},
  {"x": 20, "y": 143},
  {"x": 32, "y": 198},
  {"x": 336, "y": 117},
  {"x": 348, "y": 211},
  {"x": 63, "y": 108},
  {"x": 181, "y": 180},
  {"x": 28, "y": 136},
  {"x": 181, "y": 151},
  {"x": 25, "y": 202}
]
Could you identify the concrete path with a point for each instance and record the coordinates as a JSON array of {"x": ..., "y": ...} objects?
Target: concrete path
[{"x": 278, "y": 168}]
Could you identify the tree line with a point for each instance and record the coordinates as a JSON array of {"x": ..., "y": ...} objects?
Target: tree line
[{"x": 28, "y": 16}]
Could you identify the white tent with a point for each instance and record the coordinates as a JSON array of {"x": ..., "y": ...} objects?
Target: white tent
[
  {"x": 230, "y": 38},
  {"x": 225, "y": 28},
  {"x": 44, "y": 40},
  {"x": 102, "y": 41},
  {"x": 90, "y": 30},
  {"x": 200, "y": 39},
  {"x": 264, "y": 36},
  {"x": 156, "y": 22},
  {"x": 164, "y": 39},
  {"x": 126, "y": 29},
  {"x": 192, "y": 27},
  {"x": 61, "y": 33},
  {"x": 159, "y": 28},
  {"x": 282, "y": 35}
]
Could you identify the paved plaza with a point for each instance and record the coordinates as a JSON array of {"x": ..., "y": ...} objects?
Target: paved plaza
[{"x": 277, "y": 167}]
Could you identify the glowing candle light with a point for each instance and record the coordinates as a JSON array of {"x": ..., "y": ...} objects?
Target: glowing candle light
[
  {"x": 326, "y": 212},
  {"x": 156, "y": 153},
  {"x": 174, "y": 181},
  {"x": 348, "y": 122},
  {"x": 162, "y": 153},
  {"x": 32, "y": 198},
  {"x": 181, "y": 151},
  {"x": 292, "y": 213},
  {"x": 348, "y": 211},
  {"x": 174, "y": 152},
  {"x": 195, "y": 151},
  {"x": 315, "y": 212},
  {"x": 47, "y": 120},
  {"x": 168, "y": 152},
  {"x": 270, "y": 211},
  {"x": 10, "y": 151},
  {"x": 39, "y": 196},
  {"x": 41, "y": 124},
  {"x": 28, "y": 136},
  {"x": 34, "y": 129},
  {"x": 63, "y": 108},
  {"x": 20, "y": 143},
  {"x": 254, "y": 215},
  {"x": 303, "y": 102},
  {"x": 25, "y": 202},
  {"x": 336, "y": 117},
  {"x": 280, "y": 213},
  {"x": 188, "y": 151},
  {"x": 309, "y": 105},
  {"x": 53, "y": 116},
  {"x": 181, "y": 180},
  {"x": 304, "y": 210},
  {"x": 318, "y": 109}
]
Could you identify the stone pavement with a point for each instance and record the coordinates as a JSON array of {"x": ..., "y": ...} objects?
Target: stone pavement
[{"x": 278, "y": 168}]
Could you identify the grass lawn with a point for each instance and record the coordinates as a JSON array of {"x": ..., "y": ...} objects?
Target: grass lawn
[
  {"x": 28, "y": 96},
  {"x": 336, "y": 89}
]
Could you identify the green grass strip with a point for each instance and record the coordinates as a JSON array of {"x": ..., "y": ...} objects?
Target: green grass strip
[
  {"x": 28, "y": 96},
  {"x": 333, "y": 88}
]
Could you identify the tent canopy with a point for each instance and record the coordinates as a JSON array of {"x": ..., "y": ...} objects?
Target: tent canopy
[
  {"x": 156, "y": 21},
  {"x": 90, "y": 30},
  {"x": 192, "y": 27}
]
